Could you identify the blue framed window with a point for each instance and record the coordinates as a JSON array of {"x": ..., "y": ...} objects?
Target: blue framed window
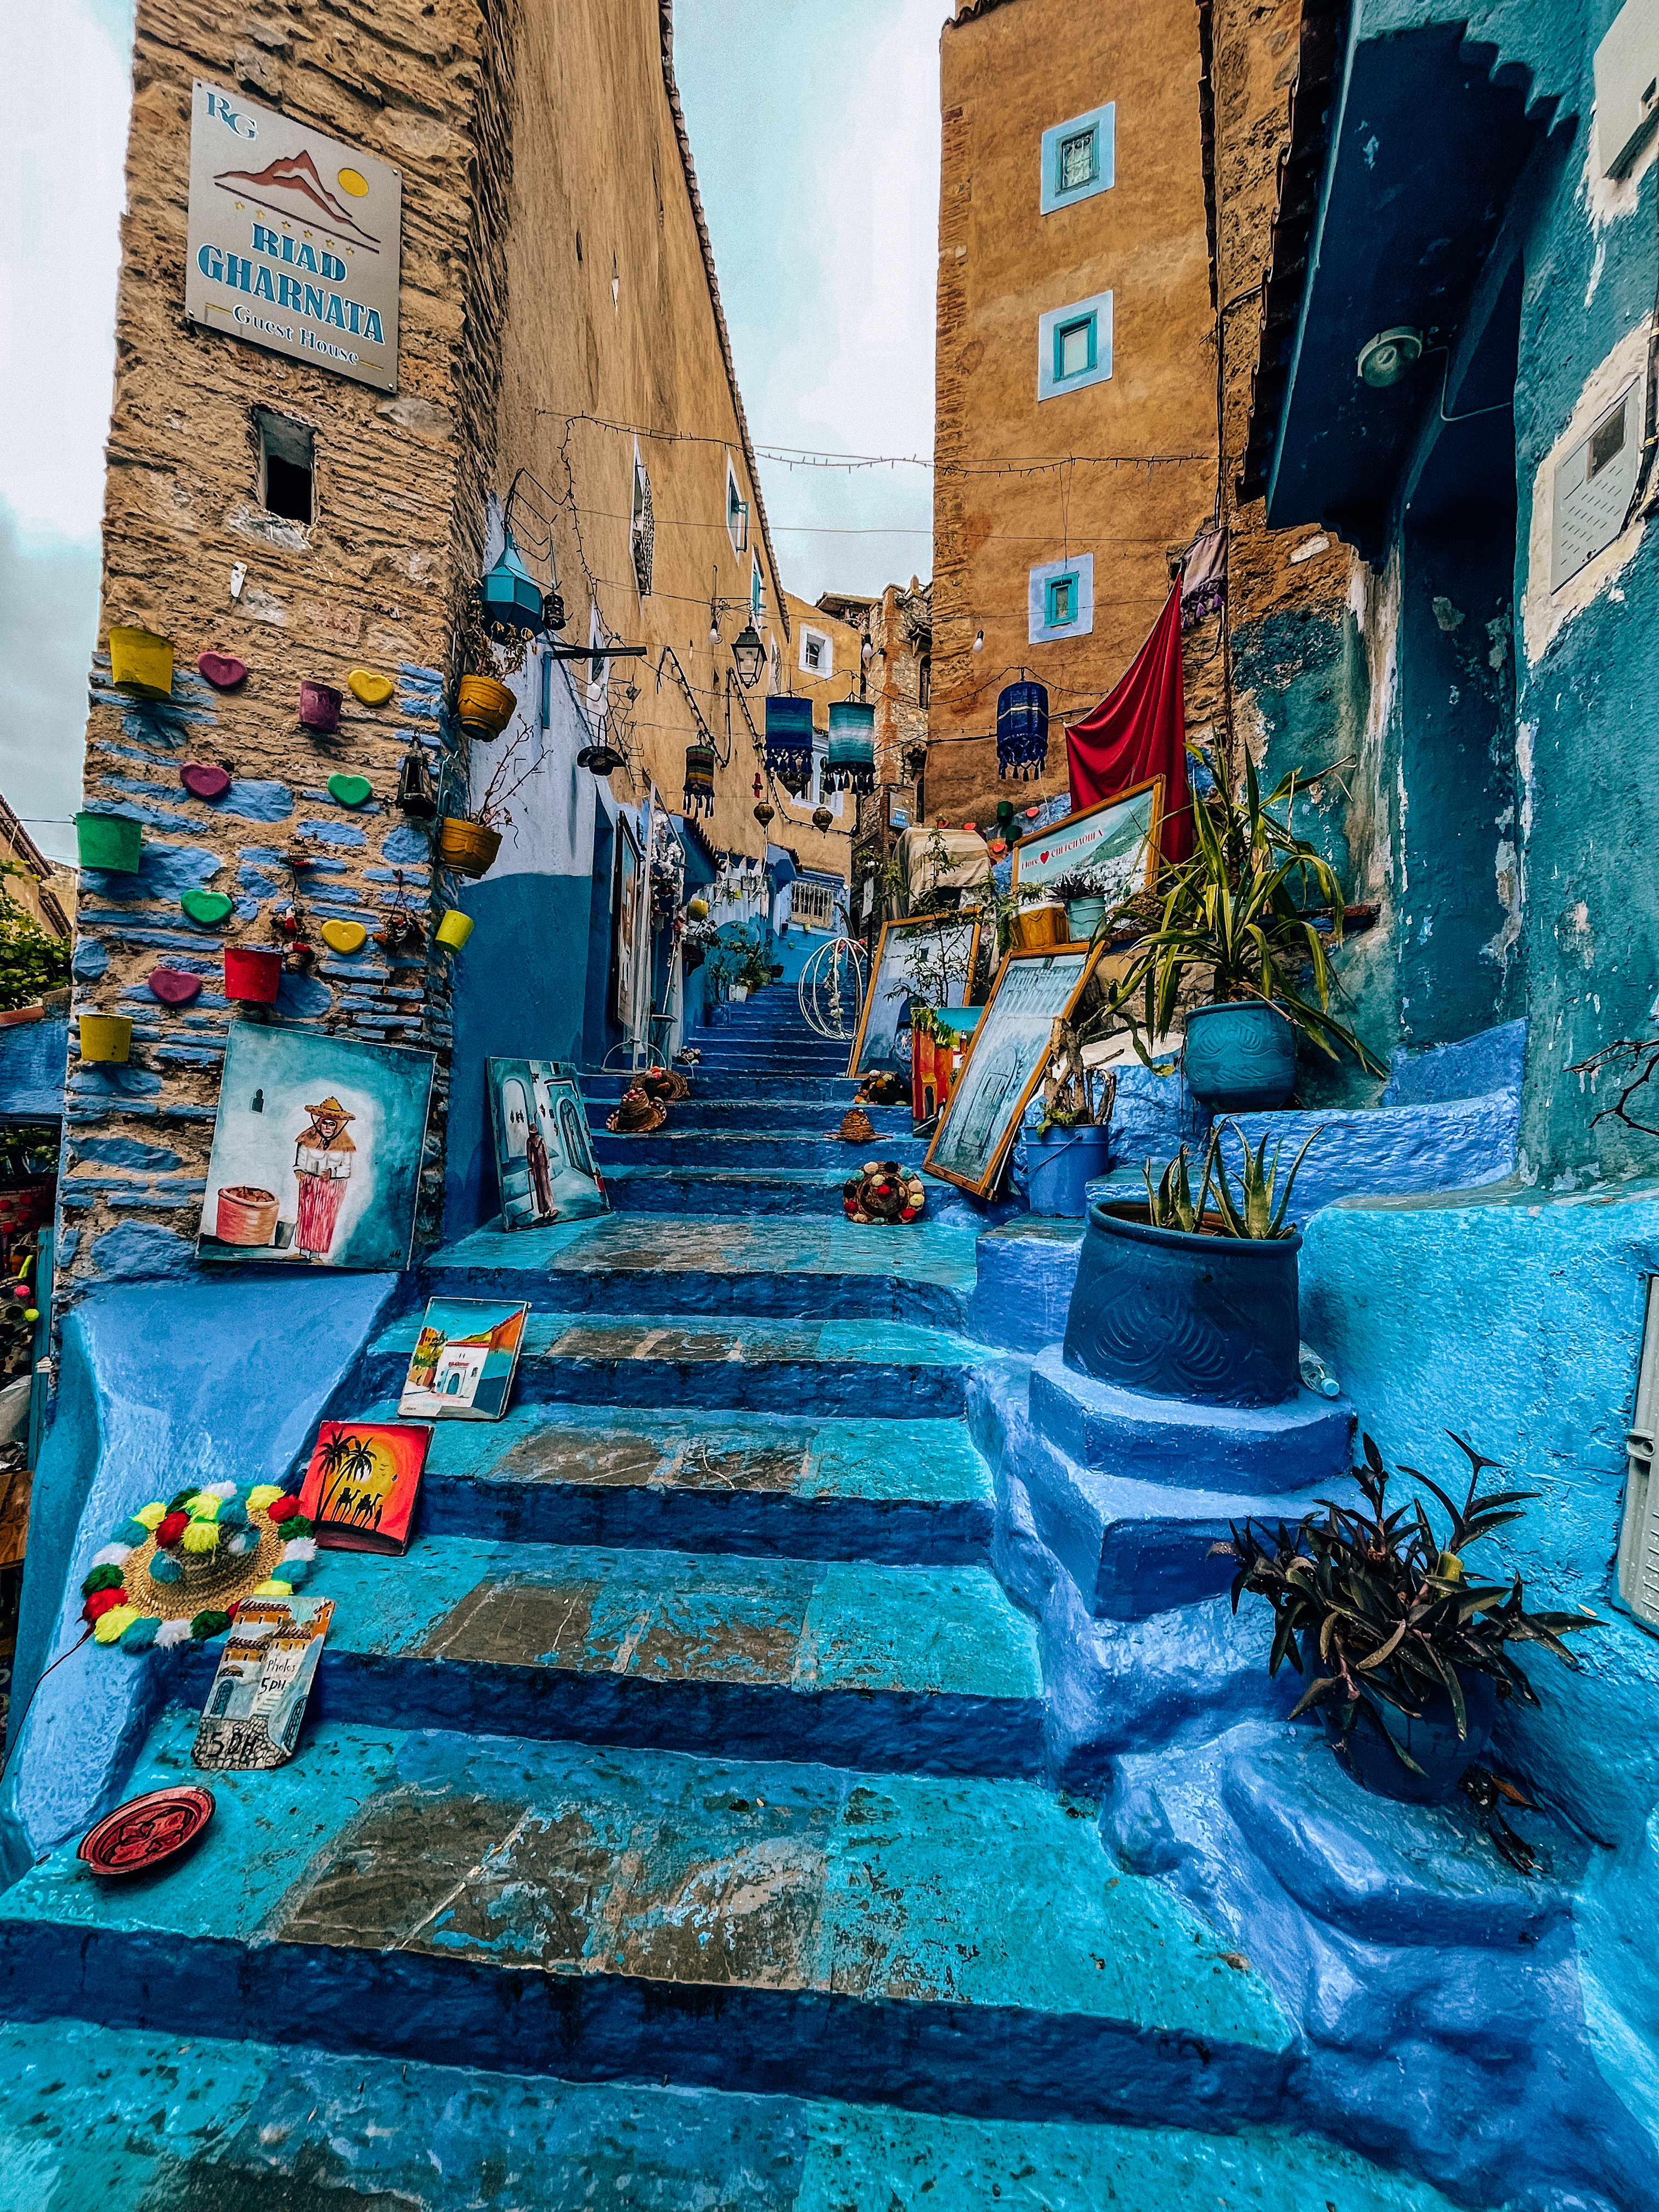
[
  {"x": 546, "y": 709},
  {"x": 1079, "y": 158},
  {"x": 1060, "y": 601},
  {"x": 757, "y": 590},
  {"x": 1074, "y": 346}
]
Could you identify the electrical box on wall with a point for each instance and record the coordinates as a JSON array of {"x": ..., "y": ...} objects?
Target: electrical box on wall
[
  {"x": 1593, "y": 485},
  {"x": 1627, "y": 85}
]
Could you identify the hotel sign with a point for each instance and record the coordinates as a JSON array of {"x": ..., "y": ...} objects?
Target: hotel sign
[{"x": 294, "y": 239}]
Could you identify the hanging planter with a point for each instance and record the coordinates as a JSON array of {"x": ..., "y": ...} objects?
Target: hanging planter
[
  {"x": 221, "y": 670},
  {"x": 141, "y": 663},
  {"x": 789, "y": 742},
  {"x": 110, "y": 841},
  {"x": 467, "y": 848},
  {"x": 105, "y": 1039},
  {"x": 207, "y": 907},
  {"x": 417, "y": 795},
  {"x": 370, "y": 686},
  {"x": 319, "y": 706},
  {"x": 764, "y": 814},
  {"x": 601, "y": 759},
  {"x": 344, "y": 936},
  {"x": 174, "y": 986},
  {"x": 851, "y": 765},
  {"x": 1021, "y": 730},
  {"x": 204, "y": 780},
  {"x": 350, "y": 790},
  {"x": 252, "y": 975},
  {"x": 700, "y": 779},
  {"x": 454, "y": 929},
  {"x": 484, "y": 707}
]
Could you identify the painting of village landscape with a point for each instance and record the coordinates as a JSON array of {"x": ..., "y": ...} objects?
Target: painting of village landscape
[
  {"x": 927, "y": 956},
  {"x": 464, "y": 1360},
  {"x": 316, "y": 1152},
  {"x": 543, "y": 1155},
  {"x": 258, "y": 1700},
  {"x": 1004, "y": 1064},
  {"x": 1115, "y": 844},
  {"x": 363, "y": 1484}
]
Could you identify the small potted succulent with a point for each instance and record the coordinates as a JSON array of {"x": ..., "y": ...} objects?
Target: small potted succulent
[
  {"x": 1412, "y": 1651},
  {"x": 1085, "y": 902}
]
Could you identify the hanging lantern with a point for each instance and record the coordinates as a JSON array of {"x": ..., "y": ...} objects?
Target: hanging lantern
[
  {"x": 822, "y": 817},
  {"x": 700, "y": 779},
  {"x": 509, "y": 594},
  {"x": 789, "y": 742},
  {"x": 600, "y": 759},
  {"x": 750, "y": 656},
  {"x": 1021, "y": 730},
  {"x": 764, "y": 814},
  {"x": 851, "y": 762},
  {"x": 415, "y": 795}
]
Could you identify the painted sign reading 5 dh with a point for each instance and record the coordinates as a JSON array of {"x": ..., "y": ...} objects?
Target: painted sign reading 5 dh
[{"x": 297, "y": 247}]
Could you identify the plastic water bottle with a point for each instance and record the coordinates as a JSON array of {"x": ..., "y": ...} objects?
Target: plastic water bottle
[{"x": 1314, "y": 1373}]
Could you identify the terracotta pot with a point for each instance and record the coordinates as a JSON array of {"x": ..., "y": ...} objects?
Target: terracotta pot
[
  {"x": 484, "y": 706},
  {"x": 244, "y": 1215},
  {"x": 252, "y": 975},
  {"x": 105, "y": 1037},
  {"x": 319, "y": 706},
  {"x": 142, "y": 663},
  {"x": 454, "y": 929},
  {"x": 467, "y": 847}
]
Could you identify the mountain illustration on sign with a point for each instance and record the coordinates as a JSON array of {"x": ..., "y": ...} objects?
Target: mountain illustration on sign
[{"x": 292, "y": 187}]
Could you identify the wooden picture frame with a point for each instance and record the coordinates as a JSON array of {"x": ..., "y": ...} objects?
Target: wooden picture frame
[
  {"x": 872, "y": 1027},
  {"x": 624, "y": 954},
  {"x": 1092, "y": 839},
  {"x": 1004, "y": 1063}
]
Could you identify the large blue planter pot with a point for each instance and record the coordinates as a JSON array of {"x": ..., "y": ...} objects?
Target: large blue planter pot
[
  {"x": 1431, "y": 1740},
  {"x": 1210, "y": 1318},
  {"x": 1059, "y": 1167},
  {"x": 1240, "y": 1056}
]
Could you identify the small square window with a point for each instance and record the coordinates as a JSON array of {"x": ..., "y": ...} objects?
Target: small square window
[
  {"x": 285, "y": 465},
  {"x": 1074, "y": 349},
  {"x": 1062, "y": 606},
  {"x": 1079, "y": 160},
  {"x": 814, "y": 653}
]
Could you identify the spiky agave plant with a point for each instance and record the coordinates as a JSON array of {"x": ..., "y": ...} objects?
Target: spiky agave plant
[{"x": 1257, "y": 1218}]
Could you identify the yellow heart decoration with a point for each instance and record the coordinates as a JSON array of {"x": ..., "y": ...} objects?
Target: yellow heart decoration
[
  {"x": 344, "y": 936},
  {"x": 370, "y": 686}
]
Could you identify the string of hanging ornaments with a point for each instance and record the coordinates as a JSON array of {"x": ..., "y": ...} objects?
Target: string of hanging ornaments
[
  {"x": 699, "y": 793},
  {"x": 1021, "y": 730},
  {"x": 764, "y": 811}
]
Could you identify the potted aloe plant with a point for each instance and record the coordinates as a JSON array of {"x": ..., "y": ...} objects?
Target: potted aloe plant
[
  {"x": 1412, "y": 1650},
  {"x": 1181, "y": 1300},
  {"x": 1243, "y": 911}
]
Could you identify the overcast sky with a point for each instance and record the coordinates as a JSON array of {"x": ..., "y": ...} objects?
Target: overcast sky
[{"x": 824, "y": 224}]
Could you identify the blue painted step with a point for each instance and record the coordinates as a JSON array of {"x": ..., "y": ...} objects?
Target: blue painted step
[
  {"x": 763, "y": 1191},
  {"x": 667, "y": 1147},
  {"x": 721, "y": 1116},
  {"x": 929, "y": 1670},
  {"x": 735, "y": 1084},
  {"x": 730, "y": 1923},
  {"x": 904, "y": 1492}
]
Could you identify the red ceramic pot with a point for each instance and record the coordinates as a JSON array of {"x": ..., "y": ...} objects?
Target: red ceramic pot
[
  {"x": 252, "y": 973},
  {"x": 320, "y": 705}
]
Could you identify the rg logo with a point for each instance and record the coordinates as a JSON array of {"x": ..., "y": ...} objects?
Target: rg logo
[{"x": 243, "y": 125}]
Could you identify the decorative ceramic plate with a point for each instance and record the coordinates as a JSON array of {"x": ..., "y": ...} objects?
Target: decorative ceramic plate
[
  {"x": 370, "y": 686},
  {"x": 344, "y": 936},
  {"x": 224, "y": 671},
  {"x": 207, "y": 907},
  {"x": 146, "y": 1830}
]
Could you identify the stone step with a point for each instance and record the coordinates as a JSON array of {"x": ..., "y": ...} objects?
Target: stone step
[
  {"x": 667, "y": 1147},
  {"x": 921, "y": 1272},
  {"x": 885, "y": 1369},
  {"x": 913, "y": 1491},
  {"x": 956, "y": 1943},
  {"x": 108, "y": 2114},
  {"x": 930, "y": 1670},
  {"x": 738, "y": 1084},
  {"x": 746, "y": 1117},
  {"x": 812, "y": 1190}
]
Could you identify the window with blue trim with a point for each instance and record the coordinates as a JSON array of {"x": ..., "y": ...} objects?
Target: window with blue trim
[
  {"x": 1060, "y": 602},
  {"x": 1075, "y": 347},
  {"x": 757, "y": 591},
  {"x": 1077, "y": 160}
]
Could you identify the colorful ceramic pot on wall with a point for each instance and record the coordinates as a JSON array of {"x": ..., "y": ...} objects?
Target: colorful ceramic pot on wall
[
  {"x": 319, "y": 706},
  {"x": 454, "y": 929},
  {"x": 106, "y": 1038},
  {"x": 111, "y": 841},
  {"x": 1240, "y": 1055},
  {"x": 252, "y": 975},
  {"x": 141, "y": 663},
  {"x": 484, "y": 707},
  {"x": 467, "y": 847}
]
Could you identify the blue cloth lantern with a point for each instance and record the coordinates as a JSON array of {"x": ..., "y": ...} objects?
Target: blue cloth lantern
[
  {"x": 851, "y": 762},
  {"x": 1021, "y": 730},
  {"x": 789, "y": 742},
  {"x": 511, "y": 597}
]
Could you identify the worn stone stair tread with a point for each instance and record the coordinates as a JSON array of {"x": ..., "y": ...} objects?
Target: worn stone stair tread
[
  {"x": 767, "y": 1090},
  {"x": 768, "y": 1191},
  {"x": 717, "y": 1115},
  {"x": 107, "y": 2115},
  {"x": 697, "y": 1151},
  {"x": 724, "y": 1923}
]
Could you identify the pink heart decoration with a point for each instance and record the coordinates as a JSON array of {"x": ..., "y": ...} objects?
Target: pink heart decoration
[
  {"x": 174, "y": 987},
  {"x": 203, "y": 780},
  {"x": 220, "y": 670}
]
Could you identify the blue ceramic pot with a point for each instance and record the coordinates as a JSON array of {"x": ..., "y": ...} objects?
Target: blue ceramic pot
[
  {"x": 1059, "y": 1167},
  {"x": 1210, "y": 1318},
  {"x": 1431, "y": 1740},
  {"x": 1240, "y": 1056}
]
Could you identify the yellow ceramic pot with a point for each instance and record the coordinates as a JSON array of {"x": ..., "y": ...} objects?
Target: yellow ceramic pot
[
  {"x": 370, "y": 686},
  {"x": 1039, "y": 928},
  {"x": 142, "y": 663},
  {"x": 454, "y": 929},
  {"x": 485, "y": 706},
  {"x": 106, "y": 1037},
  {"x": 467, "y": 847},
  {"x": 344, "y": 936}
]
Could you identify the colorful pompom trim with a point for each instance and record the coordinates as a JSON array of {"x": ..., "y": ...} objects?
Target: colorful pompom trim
[
  {"x": 281, "y": 1509},
  {"x": 171, "y": 1528},
  {"x": 165, "y": 1569},
  {"x": 140, "y": 1632},
  {"x": 102, "y": 1602},
  {"x": 209, "y": 1624},
  {"x": 149, "y": 1517},
  {"x": 110, "y": 1626},
  {"x": 209, "y": 1522},
  {"x": 201, "y": 1536},
  {"x": 102, "y": 1579},
  {"x": 128, "y": 1534},
  {"x": 113, "y": 1555},
  {"x": 274, "y": 1588},
  {"x": 204, "y": 1506},
  {"x": 171, "y": 1632},
  {"x": 262, "y": 1495}
]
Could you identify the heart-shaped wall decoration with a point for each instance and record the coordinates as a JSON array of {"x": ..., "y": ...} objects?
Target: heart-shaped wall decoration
[
  {"x": 174, "y": 986},
  {"x": 203, "y": 781},
  {"x": 222, "y": 670},
  {"x": 344, "y": 936},
  {"x": 370, "y": 686},
  {"x": 350, "y": 790},
  {"x": 207, "y": 907}
]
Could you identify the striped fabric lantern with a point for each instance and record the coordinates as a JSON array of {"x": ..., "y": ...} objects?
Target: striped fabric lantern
[
  {"x": 851, "y": 762},
  {"x": 1021, "y": 730},
  {"x": 789, "y": 742},
  {"x": 699, "y": 779}
]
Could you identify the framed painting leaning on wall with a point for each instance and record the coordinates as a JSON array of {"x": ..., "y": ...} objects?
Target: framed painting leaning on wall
[
  {"x": 1005, "y": 1064},
  {"x": 1116, "y": 842},
  {"x": 944, "y": 946},
  {"x": 544, "y": 1155}
]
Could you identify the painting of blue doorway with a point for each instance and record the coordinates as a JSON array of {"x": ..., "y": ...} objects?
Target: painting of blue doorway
[{"x": 543, "y": 1155}]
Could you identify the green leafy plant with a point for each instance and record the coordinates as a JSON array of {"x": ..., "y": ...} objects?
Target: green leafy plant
[
  {"x": 31, "y": 961},
  {"x": 1257, "y": 1218},
  {"x": 1169, "y": 1204},
  {"x": 1241, "y": 908},
  {"x": 1389, "y": 1612},
  {"x": 1077, "y": 884}
]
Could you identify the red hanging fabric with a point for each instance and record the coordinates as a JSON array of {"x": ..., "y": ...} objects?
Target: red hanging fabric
[{"x": 1140, "y": 731}]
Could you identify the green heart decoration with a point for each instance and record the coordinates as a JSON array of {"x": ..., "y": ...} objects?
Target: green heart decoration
[
  {"x": 206, "y": 907},
  {"x": 350, "y": 790}
]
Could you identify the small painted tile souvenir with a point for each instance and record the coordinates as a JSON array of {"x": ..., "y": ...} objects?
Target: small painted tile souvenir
[
  {"x": 174, "y": 987},
  {"x": 204, "y": 780},
  {"x": 350, "y": 790},
  {"x": 208, "y": 908},
  {"x": 221, "y": 670},
  {"x": 253, "y": 1712},
  {"x": 146, "y": 1831},
  {"x": 344, "y": 936},
  {"x": 363, "y": 1484},
  {"x": 464, "y": 1360},
  {"x": 370, "y": 686}
]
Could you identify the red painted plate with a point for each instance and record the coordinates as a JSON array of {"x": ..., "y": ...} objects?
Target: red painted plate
[{"x": 145, "y": 1830}]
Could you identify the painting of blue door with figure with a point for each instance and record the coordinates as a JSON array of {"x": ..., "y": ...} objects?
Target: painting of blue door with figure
[{"x": 543, "y": 1153}]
